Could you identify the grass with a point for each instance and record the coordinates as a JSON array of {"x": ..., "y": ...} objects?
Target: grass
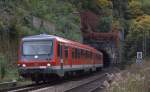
[
  {"x": 2, "y": 67},
  {"x": 7, "y": 73},
  {"x": 136, "y": 78}
]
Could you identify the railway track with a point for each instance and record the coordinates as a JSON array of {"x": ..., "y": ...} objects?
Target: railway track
[
  {"x": 90, "y": 83},
  {"x": 20, "y": 88},
  {"x": 94, "y": 83},
  {"x": 30, "y": 87},
  {"x": 89, "y": 86}
]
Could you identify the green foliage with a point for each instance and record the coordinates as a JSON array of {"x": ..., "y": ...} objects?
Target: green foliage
[
  {"x": 16, "y": 21},
  {"x": 135, "y": 8},
  {"x": 138, "y": 33},
  {"x": 146, "y": 6},
  {"x": 133, "y": 79},
  {"x": 137, "y": 29},
  {"x": 116, "y": 24},
  {"x": 58, "y": 12},
  {"x": 7, "y": 72},
  {"x": 105, "y": 24},
  {"x": 85, "y": 5},
  {"x": 104, "y": 3},
  {"x": 2, "y": 67},
  {"x": 55, "y": 11}
]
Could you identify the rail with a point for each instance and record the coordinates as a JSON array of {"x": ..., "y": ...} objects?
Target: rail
[
  {"x": 89, "y": 86},
  {"x": 11, "y": 83}
]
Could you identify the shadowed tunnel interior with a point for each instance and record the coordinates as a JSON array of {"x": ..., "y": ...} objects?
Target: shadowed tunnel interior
[{"x": 106, "y": 58}]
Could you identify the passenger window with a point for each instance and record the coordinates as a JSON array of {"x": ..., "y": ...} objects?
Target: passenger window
[
  {"x": 90, "y": 55},
  {"x": 79, "y": 53},
  {"x": 82, "y": 53},
  {"x": 86, "y": 54},
  {"x": 76, "y": 54},
  {"x": 73, "y": 55},
  {"x": 99, "y": 57},
  {"x": 66, "y": 52}
]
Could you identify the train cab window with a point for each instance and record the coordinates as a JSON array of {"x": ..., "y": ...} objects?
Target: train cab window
[
  {"x": 39, "y": 47},
  {"x": 59, "y": 49}
]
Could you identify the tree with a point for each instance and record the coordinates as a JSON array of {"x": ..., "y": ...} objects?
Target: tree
[
  {"x": 135, "y": 8},
  {"x": 138, "y": 36}
]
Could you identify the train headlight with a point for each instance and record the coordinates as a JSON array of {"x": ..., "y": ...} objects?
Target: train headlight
[
  {"x": 48, "y": 64},
  {"x": 19, "y": 65},
  {"x": 24, "y": 65}
]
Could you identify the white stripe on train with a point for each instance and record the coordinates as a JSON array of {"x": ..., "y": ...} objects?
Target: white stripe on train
[
  {"x": 77, "y": 66},
  {"x": 67, "y": 66}
]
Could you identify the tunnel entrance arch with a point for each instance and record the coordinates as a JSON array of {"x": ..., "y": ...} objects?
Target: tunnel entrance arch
[{"x": 106, "y": 42}]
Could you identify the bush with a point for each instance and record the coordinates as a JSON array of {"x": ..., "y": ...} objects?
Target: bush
[
  {"x": 105, "y": 24},
  {"x": 104, "y": 3},
  {"x": 139, "y": 32},
  {"x": 2, "y": 67},
  {"x": 134, "y": 79},
  {"x": 7, "y": 72},
  {"x": 135, "y": 8},
  {"x": 146, "y": 6}
]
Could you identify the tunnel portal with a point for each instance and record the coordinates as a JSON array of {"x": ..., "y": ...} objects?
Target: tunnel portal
[{"x": 106, "y": 42}]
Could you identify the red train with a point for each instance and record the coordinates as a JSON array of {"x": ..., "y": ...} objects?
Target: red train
[{"x": 43, "y": 56}]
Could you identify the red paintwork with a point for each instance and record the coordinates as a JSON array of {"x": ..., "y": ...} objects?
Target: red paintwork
[{"x": 70, "y": 44}]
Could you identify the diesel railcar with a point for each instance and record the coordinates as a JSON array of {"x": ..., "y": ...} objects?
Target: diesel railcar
[{"x": 43, "y": 56}]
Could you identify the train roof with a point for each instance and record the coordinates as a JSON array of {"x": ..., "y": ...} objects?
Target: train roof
[{"x": 60, "y": 39}]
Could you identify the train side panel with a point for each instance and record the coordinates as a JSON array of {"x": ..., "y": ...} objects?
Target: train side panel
[{"x": 68, "y": 57}]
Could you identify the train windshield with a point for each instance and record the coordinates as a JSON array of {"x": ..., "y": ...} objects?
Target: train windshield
[{"x": 37, "y": 48}]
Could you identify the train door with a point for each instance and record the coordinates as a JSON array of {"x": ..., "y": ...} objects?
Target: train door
[
  {"x": 93, "y": 56},
  {"x": 60, "y": 55},
  {"x": 73, "y": 56},
  {"x": 70, "y": 57},
  {"x": 66, "y": 52},
  {"x": 82, "y": 57}
]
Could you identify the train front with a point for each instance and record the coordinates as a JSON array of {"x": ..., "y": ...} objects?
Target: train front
[{"x": 36, "y": 57}]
